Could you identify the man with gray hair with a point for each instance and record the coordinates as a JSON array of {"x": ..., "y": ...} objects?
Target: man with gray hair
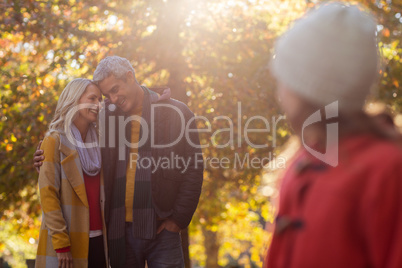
[
  {"x": 146, "y": 206},
  {"x": 147, "y": 203}
]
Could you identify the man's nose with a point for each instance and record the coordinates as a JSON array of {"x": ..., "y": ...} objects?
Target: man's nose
[{"x": 113, "y": 99}]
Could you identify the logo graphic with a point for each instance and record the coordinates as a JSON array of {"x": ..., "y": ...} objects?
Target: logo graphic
[{"x": 331, "y": 153}]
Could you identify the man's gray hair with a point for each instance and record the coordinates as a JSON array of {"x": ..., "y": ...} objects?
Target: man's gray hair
[{"x": 113, "y": 65}]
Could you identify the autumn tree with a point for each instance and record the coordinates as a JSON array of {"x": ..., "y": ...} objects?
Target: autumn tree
[{"x": 213, "y": 54}]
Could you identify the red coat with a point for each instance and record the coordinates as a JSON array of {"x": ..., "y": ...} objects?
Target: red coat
[{"x": 347, "y": 216}]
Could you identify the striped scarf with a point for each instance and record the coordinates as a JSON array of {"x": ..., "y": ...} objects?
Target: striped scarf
[{"x": 144, "y": 216}]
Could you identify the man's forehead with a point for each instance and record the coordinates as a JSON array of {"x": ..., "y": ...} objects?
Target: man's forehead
[{"x": 108, "y": 83}]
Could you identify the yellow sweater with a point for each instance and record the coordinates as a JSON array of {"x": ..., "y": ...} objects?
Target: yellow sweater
[{"x": 131, "y": 166}]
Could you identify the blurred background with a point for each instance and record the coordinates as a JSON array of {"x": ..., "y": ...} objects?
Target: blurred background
[{"x": 213, "y": 54}]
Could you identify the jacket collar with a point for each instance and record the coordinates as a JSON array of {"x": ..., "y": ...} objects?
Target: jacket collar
[{"x": 72, "y": 168}]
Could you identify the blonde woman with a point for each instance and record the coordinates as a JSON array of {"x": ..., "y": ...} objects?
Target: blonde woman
[{"x": 71, "y": 183}]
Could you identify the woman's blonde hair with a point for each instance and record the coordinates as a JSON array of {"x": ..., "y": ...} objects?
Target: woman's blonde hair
[{"x": 68, "y": 101}]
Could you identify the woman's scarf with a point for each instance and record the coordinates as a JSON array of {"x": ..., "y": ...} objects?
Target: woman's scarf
[{"x": 89, "y": 152}]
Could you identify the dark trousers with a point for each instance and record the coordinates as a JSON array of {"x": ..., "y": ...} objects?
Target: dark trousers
[
  {"x": 162, "y": 252},
  {"x": 96, "y": 253}
]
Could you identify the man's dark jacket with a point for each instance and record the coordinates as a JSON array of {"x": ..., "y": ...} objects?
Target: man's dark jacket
[{"x": 175, "y": 191}]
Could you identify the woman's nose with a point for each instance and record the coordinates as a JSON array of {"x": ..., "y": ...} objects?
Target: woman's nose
[{"x": 98, "y": 105}]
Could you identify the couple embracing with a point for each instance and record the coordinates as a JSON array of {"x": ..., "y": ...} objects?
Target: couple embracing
[{"x": 101, "y": 207}]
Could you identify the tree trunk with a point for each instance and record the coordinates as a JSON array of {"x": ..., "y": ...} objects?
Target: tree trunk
[
  {"x": 170, "y": 58},
  {"x": 211, "y": 248},
  {"x": 170, "y": 50},
  {"x": 185, "y": 244}
]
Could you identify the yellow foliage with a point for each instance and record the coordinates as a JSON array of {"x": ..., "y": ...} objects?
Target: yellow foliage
[{"x": 9, "y": 147}]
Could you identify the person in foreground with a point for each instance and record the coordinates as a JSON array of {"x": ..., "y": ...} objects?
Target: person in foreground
[
  {"x": 341, "y": 199},
  {"x": 71, "y": 183}
]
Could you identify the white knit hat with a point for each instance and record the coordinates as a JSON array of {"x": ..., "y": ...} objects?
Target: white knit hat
[{"x": 329, "y": 55}]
